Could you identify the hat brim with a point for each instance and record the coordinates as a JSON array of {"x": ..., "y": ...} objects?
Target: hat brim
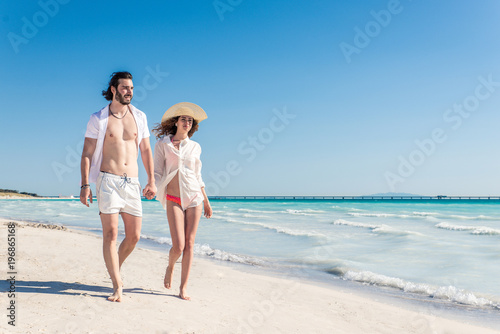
[{"x": 185, "y": 109}]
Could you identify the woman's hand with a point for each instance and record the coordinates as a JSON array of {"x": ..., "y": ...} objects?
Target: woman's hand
[
  {"x": 208, "y": 209},
  {"x": 149, "y": 191}
]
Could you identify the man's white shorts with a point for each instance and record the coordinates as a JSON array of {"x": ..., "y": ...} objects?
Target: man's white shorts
[{"x": 117, "y": 194}]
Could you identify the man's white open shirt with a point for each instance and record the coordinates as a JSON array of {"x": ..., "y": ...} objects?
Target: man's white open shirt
[{"x": 96, "y": 129}]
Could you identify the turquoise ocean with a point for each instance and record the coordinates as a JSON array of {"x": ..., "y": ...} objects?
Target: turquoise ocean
[{"x": 444, "y": 252}]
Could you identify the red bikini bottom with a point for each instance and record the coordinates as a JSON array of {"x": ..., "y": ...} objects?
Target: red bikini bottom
[{"x": 174, "y": 199}]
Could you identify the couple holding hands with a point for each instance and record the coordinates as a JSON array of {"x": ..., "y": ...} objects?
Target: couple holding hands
[{"x": 113, "y": 139}]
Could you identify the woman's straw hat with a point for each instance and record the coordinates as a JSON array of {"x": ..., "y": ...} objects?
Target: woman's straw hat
[{"x": 187, "y": 109}]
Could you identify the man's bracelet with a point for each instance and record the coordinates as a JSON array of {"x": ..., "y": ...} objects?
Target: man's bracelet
[{"x": 84, "y": 186}]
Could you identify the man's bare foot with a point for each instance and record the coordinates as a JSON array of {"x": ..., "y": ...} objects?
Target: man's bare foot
[
  {"x": 117, "y": 295},
  {"x": 182, "y": 295},
  {"x": 167, "y": 281}
]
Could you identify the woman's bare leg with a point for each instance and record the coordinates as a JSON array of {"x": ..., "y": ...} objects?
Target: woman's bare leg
[
  {"x": 192, "y": 218},
  {"x": 175, "y": 217}
]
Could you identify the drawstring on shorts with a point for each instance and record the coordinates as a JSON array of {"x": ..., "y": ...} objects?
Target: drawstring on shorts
[{"x": 125, "y": 180}]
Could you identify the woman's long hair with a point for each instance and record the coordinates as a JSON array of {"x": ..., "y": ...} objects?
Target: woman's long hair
[{"x": 168, "y": 127}]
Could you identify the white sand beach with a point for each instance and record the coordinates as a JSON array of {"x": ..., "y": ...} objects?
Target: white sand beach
[{"x": 61, "y": 285}]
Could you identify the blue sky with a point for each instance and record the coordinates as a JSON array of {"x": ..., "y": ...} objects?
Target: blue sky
[{"x": 303, "y": 97}]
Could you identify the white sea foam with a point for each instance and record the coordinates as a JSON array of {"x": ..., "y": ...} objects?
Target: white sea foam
[
  {"x": 425, "y": 214},
  {"x": 375, "y": 228},
  {"x": 96, "y": 229},
  {"x": 249, "y": 215},
  {"x": 206, "y": 250},
  {"x": 355, "y": 224},
  {"x": 421, "y": 215},
  {"x": 455, "y": 216},
  {"x": 479, "y": 230},
  {"x": 449, "y": 293},
  {"x": 160, "y": 240},
  {"x": 306, "y": 212},
  {"x": 279, "y": 229},
  {"x": 378, "y": 215},
  {"x": 67, "y": 215},
  {"x": 480, "y": 217},
  {"x": 343, "y": 208},
  {"x": 221, "y": 255},
  {"x": 258, "y": 211},
  {"x": 289, "y": 231},
  {"x": 224, "y": 213},
  {"x": 382, "y": 228},
  {"x": 226, "y": 219}
]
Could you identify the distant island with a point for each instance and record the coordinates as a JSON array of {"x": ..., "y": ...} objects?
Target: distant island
[{"x": 9, "y": 193}]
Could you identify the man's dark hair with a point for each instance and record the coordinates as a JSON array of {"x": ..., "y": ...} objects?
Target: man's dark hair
[{"x": 113, "y": 82}]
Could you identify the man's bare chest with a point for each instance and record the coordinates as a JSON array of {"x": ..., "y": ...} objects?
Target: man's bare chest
[{"x": 124, "y": 129}]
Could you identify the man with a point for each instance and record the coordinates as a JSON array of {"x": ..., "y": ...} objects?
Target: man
[{"x": 114, "y": 136}]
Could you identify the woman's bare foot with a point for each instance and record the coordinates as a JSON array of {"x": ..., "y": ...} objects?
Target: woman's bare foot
[
  {"x": 182, "y": 295},
  {"x": 117, "y": 295},
  {"x": 167, "y": 281}
]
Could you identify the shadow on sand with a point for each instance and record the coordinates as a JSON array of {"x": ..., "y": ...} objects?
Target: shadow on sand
[{"x": 71, "y": 289}]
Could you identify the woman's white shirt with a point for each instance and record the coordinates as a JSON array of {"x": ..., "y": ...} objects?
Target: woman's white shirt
[{"x": 186, "y": 161}]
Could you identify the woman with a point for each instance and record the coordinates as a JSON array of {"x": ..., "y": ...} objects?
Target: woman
[{"x": 181, "y": 190}]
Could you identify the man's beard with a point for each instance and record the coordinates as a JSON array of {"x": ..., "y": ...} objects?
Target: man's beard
[{"x": 120, "y": 98}]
